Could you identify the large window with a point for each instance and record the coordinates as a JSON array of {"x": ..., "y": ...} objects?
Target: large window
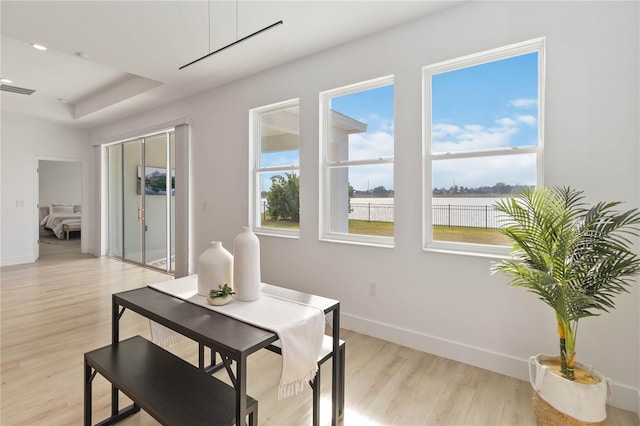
[
  {"x": 483, "y": 140},
  {"x": 357, "y": 138},
  {"x": 275, "y": 187}
]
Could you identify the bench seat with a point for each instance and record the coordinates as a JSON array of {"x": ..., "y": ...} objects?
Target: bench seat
[{"x": 170, "y": 389}]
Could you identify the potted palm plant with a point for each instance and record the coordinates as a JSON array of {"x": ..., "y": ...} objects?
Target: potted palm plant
[{"x": 576, "y": 259}]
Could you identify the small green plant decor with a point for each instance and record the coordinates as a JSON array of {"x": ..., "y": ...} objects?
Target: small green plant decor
[
  {"x": 575, "y": 258},
  {"x": 222, "y": 291}
]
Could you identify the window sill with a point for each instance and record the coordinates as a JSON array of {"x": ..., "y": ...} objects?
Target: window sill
[
  {"x": 361, "y": 240},
  {"x": 484, "y": 251}
]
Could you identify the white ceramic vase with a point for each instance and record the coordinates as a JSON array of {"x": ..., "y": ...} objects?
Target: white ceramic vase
[
  {"x": 215, "y": 267},
  {"x": 246, "y": 266}
]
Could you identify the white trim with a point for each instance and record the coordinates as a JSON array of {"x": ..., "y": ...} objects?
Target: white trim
[
  {"x": 517, "y": 49},
  {"x": 623, "y": 396},
  {"x": 141, "y": 133},
  {"x": 17, "y": 260},
  {"x": 256, "y": 169},
  {"x": 326, "y": 164},
  {"x": 36, "y": 197}
]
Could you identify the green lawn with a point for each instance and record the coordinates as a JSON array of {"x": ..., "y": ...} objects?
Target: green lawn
[
  {"x": 440, "y": 233},
  {"x": 382, "y": 229},
  {"x": 282, "y": 224},
  {"x": 461, "y": 234}
]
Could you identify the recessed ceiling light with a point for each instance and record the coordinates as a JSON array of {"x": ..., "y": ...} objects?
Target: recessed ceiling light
[
  {"x": 39, "y": 46},
  {"x": 82, "y": 55},
  {"x": 5, "y": 80},
  {"x": 62, "y": 101}
]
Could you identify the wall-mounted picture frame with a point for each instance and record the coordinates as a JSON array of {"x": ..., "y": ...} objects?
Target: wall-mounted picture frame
[{"x": 155, "y": 181}]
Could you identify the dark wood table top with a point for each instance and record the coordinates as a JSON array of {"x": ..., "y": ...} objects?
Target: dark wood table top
[{"x": 227, "y": 335}]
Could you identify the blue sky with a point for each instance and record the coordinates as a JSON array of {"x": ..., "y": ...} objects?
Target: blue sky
[{"x": 488, "y": 106}]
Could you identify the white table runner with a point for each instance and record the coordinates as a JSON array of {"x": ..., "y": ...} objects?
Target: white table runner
[{"x": 299, "y": 327}]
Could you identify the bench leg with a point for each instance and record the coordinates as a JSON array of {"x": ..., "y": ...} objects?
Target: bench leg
[
  {"x": 341, "y": 378},
  {"x": 253, "y": 415}
]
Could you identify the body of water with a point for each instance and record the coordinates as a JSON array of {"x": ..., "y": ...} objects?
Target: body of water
[{"x": 448, "y": 211}]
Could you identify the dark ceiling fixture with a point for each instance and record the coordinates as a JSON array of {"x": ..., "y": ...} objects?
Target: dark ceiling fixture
[
  {"x": 233, "y": 44},
  {"x": 268, "y": 27}
]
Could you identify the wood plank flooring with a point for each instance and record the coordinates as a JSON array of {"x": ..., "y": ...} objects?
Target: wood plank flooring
[{"x": 60, "y": 307}]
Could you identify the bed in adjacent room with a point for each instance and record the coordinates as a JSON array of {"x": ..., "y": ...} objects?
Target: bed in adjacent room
[{"x": 62, "y": 218}]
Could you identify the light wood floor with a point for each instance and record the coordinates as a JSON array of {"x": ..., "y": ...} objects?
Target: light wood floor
[{"x": 60, "y": 307}]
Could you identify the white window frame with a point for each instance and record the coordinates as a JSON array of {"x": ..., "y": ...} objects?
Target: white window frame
[
  {"x": 256, "y": 169},
  {"x": 326, "y": 165},
  {"x": 531, "y": 46}
]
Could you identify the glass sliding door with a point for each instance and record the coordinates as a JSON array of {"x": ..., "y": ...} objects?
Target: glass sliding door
[
  {"x": 141, "y": 224},
  {"x": 133, "y": 200},
  {"x": 172, "y": 203},
  {"x": 157, "y": 192},
  {"x": 114, "y": 200}
]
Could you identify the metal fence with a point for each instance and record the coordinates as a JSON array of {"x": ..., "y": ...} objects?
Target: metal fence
[
  {"x": 444, "y": 215},
  {"x": 482, "y": 216},
  {"x": 461, "y": 215},
  {"x": 376, "y": 212}
]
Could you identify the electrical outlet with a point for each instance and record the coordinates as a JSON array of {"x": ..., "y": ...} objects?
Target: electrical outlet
[{"x": 373, "y": 289}]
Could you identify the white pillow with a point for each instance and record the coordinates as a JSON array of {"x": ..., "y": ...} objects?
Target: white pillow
[{"x": 61, "y": 208}]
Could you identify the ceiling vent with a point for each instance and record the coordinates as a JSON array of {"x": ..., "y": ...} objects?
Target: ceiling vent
[{"x": 15, "y": 89}]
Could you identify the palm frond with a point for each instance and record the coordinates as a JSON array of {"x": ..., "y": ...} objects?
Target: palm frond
[{"x": 575, "y": 258}]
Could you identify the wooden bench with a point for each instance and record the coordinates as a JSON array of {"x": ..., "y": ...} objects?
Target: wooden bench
[
  {"x": 170, "y": 389},
  {"x": 70, "y": 228}
]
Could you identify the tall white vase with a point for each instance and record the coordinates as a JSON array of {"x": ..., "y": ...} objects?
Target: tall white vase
[
  {"x": 215, "y": 267},
  {"x": 246, "y": 266}
]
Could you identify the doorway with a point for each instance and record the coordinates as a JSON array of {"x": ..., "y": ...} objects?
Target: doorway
[
  {"x": 59, "y": 198},
  {"x": 141, "y": 201}
]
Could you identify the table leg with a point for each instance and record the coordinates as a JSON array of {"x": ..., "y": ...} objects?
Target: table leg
[
  {"x": 241, "y": 391},
  {"x": 335, "y": 373},
  {"x": 115, "y": 338}
]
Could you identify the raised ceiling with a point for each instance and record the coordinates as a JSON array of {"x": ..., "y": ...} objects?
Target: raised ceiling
[{"x": 109, "y": 59}]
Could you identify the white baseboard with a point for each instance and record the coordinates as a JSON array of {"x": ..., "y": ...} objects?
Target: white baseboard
[
  {"x": 16, "y": 260},
  {"x": 623, "y": 396}
]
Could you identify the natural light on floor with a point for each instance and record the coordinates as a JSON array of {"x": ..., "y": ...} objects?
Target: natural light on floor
[{"x": 350, "y": 417}]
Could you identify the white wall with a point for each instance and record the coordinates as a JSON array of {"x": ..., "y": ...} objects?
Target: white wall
[
  {"x": 60, "y": 182},
  {"x": 25, "y": 141},
  {"x": 445, "y": 304}
]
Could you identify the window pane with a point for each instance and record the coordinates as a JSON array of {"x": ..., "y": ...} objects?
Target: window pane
[
  {"x": 465, "y": 189},
  {"x": 280, "y": 200},
  {"x": 279, "y": 132},
  {"x": 361, "y": 200},
  {"x": 487, "y": 106},
  {"x": 362, "y": 125}
]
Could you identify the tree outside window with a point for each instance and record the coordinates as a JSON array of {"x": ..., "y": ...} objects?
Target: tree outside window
[{"x": 275, "y": 207}]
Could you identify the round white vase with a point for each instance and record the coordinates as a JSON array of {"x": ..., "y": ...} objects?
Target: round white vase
[
  {"x": 215, "y": 267},
  {"x": 246, "y": 266}
]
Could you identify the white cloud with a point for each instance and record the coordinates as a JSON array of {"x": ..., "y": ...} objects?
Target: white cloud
[
  {"x": 524, "y": 103},
  {"x": 364, "y": 146},
  {"x": 473, "y": 128},
  {"x": 440, "y": 130},
  {"x": 506, "y": 121},
  {"x": 474, "y": 138},
  {"x": 527, "y": 119},
  {"x": 485, "y": 171}
]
